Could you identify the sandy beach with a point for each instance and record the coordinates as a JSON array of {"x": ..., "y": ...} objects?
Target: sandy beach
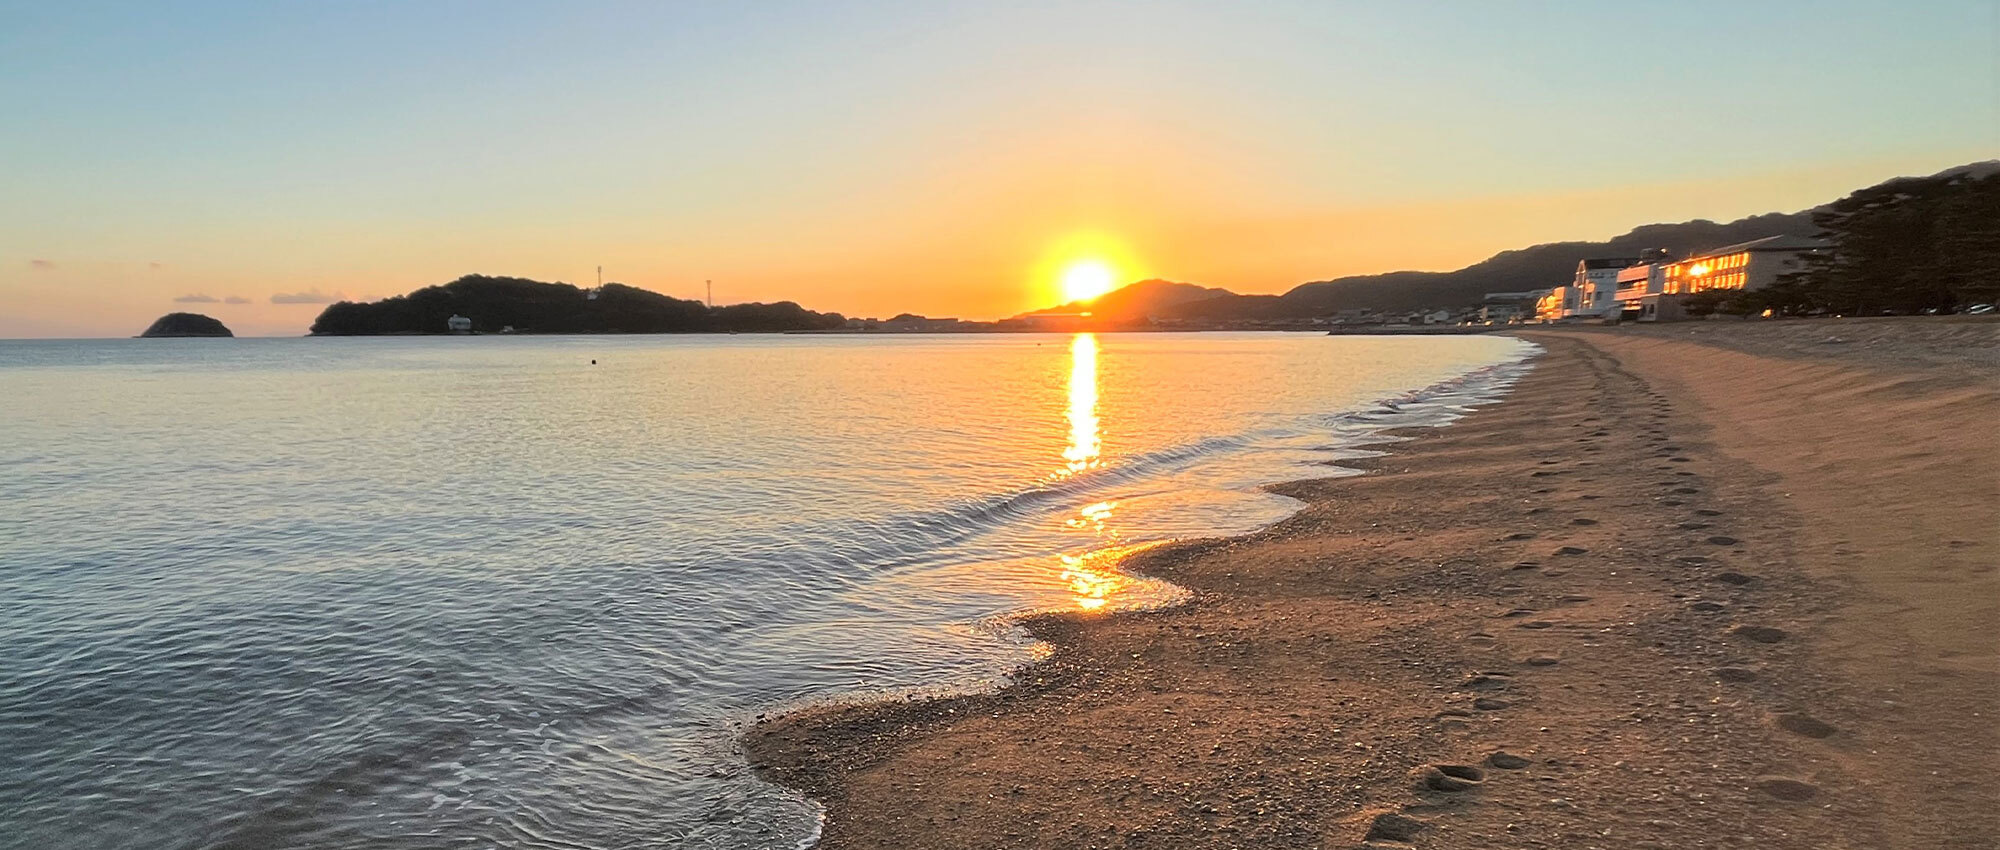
[{"x": 1703, "y": 585}]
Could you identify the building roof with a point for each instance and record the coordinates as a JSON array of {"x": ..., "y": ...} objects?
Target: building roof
[
  {"x": 1768, "y": 243},
  {"x": 1610, "y": 262}
]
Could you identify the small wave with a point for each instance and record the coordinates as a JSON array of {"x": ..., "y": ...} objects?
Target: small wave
[{"x": 909, "y": 540}]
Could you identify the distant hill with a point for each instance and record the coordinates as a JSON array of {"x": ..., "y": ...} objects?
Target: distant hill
[
  {"x": 185, "y": 324},
  {"x": 1537, "y": 267},
  {"x": 1139, "y": 300},
  {"x": 532, "y": 306}
]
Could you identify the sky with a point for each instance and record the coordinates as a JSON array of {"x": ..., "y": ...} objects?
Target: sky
[{"x": 254, "y": 161}]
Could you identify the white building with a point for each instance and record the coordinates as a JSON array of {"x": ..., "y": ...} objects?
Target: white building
[
  {"x": 1594, "y": 291},
  {"x": 458, "y": 324},
  {"x": 1653, "y": 292}
]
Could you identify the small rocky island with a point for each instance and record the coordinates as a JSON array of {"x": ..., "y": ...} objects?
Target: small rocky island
[{"x": 185, "y": 324}]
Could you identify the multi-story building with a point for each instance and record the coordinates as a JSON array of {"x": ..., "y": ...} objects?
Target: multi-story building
[
  {"x": 1596, "y": 285},
  {"x": 1654, "y": 292},
  {"x": 1592, "y": 293}
]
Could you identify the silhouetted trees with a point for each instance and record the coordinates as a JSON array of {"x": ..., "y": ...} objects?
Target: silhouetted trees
[
  {"x": 1905, "y": 246},
  {"x": 532, "y": 306},
  {"x": 185, "y": 324}
]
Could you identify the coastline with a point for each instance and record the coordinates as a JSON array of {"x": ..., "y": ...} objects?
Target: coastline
[{"x": 1421, "y": 656}]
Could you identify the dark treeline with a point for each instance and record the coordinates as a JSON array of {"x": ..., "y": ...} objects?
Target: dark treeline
[
  {"x": 531, "y": 306},
  {"x": 1905, "y": 246}
]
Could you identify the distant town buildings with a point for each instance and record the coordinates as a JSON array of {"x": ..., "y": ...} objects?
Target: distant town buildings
[
  {"x": 912, "y": 323},
  {"x": 1652, "y": 287},
  {"x": 1591, "y": 293},
  {"x": 457, "y": 324}
]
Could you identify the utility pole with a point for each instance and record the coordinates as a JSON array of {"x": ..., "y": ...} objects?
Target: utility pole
[
  {"x": 711, "y": 293},
  {"x": 600, "y": 277}
]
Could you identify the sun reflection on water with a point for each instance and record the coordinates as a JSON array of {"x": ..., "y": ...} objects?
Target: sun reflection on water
[
  {"x": 1092, "y": 516},
  {"x": 1093, "y": 583},
  {"x": 1083, "y": 450},
  {"x": 1092, "y": 576}
]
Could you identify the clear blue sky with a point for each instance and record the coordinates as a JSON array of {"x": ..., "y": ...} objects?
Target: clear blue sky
[{"x": 873, "y": 157}]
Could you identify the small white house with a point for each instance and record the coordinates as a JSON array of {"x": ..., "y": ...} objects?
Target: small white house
[{"x": 458, "y": 324}]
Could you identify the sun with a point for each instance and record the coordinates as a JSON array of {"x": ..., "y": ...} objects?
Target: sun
[{"x": 1085, "y": 280}]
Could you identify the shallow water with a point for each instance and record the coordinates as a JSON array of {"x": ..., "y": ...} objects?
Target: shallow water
[{"x": 468, "y": 592}]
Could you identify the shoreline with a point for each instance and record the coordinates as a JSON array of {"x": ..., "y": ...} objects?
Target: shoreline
[{"x": 1419, "y": 656}]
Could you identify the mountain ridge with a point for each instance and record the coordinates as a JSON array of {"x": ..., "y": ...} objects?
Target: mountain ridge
[{"x": 1537, "y": 266}]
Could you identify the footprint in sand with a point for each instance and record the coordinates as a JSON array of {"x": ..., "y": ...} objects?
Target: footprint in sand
[
  {"x": 1706, "y": 606},
  {"x": 1707, "y": 512},
  {"x": 1722, "y": 540},
  {"x": 1389, "y": 826},
  {"x": 1736, "y": 674},
  {"x": 1450, "y": 778},
  {"x": 1571, "y": 550},
  {"x": 1582, "y": 521},
  {"x": 1506, "y": 760},
  {"x": 1490, "y": 704},
  {"x": 1799, "y": 723},
  {"x": 1536, "y": 625},
  {"x": 1520, "y": 535},
  {"x": 1541, "y": 660},
  {"x": 1734, "y": 578},
  {"x": 1674, "y": 502},
  {"x": 1524, "y": 565},
  {"x": 1786, "y": 788},
  {"x": 1760, "y": 634},
  {"x": 1485, "y": 682},
  {"x": 1691, "y": 526}
]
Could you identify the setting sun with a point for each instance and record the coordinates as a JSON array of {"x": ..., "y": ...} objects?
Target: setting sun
[{"x": 1084, "y": 280}]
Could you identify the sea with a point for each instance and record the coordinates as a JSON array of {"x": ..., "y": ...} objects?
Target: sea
[{"x": 526, "y": 592}]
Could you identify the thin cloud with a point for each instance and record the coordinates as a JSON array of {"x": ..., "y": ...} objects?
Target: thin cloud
[
  {"x": 42, "y": 265},
  {"x": 311, "y": 296},
  {"x": 196, "y": 299},
  {"x": 156, "y": 266},
  {"x": 236, "y": 299}
]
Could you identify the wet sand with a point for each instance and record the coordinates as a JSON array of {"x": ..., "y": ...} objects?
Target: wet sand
[{"x": 1705, "y": 587}]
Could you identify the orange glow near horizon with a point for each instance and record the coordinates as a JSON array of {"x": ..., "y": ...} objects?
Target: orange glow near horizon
[
  {"x": 1085, "y": 280},
  {"x": 1082, "y": 266}
]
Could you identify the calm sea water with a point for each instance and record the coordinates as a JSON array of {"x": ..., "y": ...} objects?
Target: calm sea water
[{"x": 478, "y": 592}]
